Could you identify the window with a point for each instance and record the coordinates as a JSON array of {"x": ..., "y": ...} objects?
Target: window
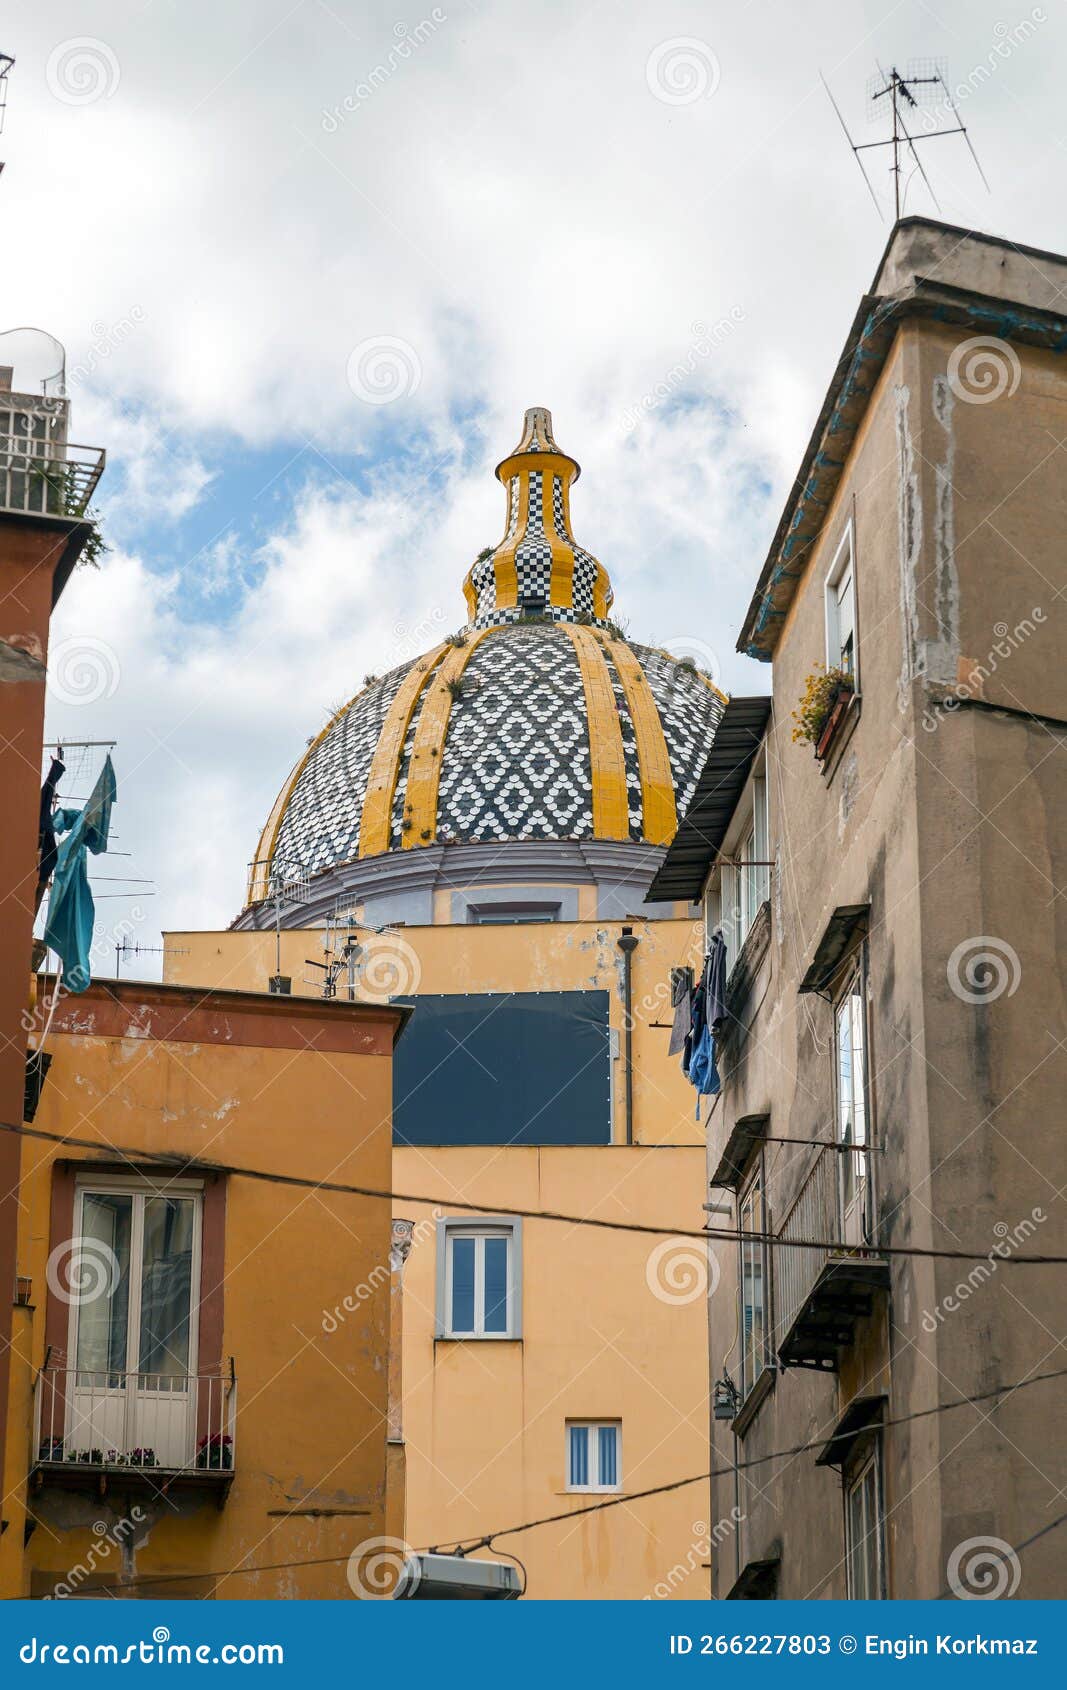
[
  {"x": 850, "y": 1041},
  {"x": 841, "y": 649},
  {"x": 864, "y": 1525},
  {"x": 507, "y": 915},
  {"x": 593, "y": 1455},
  {"x": 746, "y": 883},
  {"x": 133, "y": 1382},
  {"x": 753, "y": 1286},
  {"x": 478, "y": 1279}
]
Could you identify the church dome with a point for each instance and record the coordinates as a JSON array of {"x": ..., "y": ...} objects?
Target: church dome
[{"x": 537, "y": 722}]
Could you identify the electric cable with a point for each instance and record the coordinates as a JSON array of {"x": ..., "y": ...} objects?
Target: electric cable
[
  {"x": 469, "y": 1545},
  {"x": 179, "y": 1163}
]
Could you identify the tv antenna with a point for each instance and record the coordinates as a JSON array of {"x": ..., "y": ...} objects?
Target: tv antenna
[
  {"x": 291, "y": 890},
  {"x": 6, "y": 63},
  {"x": 343, "y": 950},
  {"x": 125, "y": 949},
  {"x": 924, "y": 84}
]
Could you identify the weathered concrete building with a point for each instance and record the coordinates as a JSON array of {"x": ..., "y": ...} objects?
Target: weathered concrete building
[{"x": 884, "y": 843}]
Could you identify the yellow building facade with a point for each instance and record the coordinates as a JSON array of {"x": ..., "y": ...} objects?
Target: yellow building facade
[
  {"x": 181, "y": 1423},
  {"x": 473, "y": 835}
]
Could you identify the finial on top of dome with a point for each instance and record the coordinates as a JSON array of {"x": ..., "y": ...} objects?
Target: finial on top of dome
[
  {"x": 537, "y": 569},
  {"x": 537, "y": 431},
  {"x": 537, "y": 436}
]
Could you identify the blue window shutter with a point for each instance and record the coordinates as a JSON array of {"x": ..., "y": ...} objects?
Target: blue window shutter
[
  {"x": 496, "y": 1284},
  {"x": 579, "y": 1455},
  {"x": 609, "y": 1455},
  {"x": 462, "y": 1284}
]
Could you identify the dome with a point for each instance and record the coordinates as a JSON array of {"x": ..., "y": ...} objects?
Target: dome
[{"x": 539, "y": 721}]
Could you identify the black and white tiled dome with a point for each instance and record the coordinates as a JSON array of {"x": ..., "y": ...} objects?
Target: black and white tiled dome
[{"x": 539, "y": 722}]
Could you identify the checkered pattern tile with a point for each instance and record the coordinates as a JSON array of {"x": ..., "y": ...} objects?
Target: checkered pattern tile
[
  {"x": 320, "y": 826},
  {"x": 516, "y": 759}
]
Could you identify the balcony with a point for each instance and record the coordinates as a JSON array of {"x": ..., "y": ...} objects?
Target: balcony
[
  {"x": 153, "y": 1432},
  {"x": 821, "y": 1294},
  {"x": 42, "y": 476}
]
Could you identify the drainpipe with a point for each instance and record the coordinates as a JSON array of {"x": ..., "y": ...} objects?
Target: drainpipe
[{"x": 628, "y": 945}]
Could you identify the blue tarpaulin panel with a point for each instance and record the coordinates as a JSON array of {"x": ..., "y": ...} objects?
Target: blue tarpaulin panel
[{"x": 504, "y": 1068}]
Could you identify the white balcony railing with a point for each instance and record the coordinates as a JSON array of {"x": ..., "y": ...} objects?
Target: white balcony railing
[
  {"x": 46, "y": 477},
  {"x": 114, "y": 1420}
]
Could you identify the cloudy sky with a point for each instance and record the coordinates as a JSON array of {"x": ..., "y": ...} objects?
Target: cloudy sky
[{"x": 310, "y": 262}]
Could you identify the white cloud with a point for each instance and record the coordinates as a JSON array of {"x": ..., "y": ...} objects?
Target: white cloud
[{"x": 514, "y": 203}]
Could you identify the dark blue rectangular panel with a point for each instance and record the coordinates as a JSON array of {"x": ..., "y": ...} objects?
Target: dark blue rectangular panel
[{"x": 504, "y": 1068}]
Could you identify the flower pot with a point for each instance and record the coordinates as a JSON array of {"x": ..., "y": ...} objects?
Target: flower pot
[{"x": 842, "y": 699}]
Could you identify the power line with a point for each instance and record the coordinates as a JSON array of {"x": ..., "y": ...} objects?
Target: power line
[
  {"x": 468, "y": 1545},
  {"x": 760, "y": 1460},
  {"x": 180, "y": 1163}
]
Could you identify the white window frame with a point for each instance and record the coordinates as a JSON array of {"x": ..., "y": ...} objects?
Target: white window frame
[
  {"x": 763, "y": 1360},
  {"x": 843, "y": 564},
  {"x": 744, "y": 891},
  {"x": 594, "y": 1427},
  {"x": 872, "y": 1547},
  {"x": 144, "y": 1188},
  {"x": 492, "y": 1226}
]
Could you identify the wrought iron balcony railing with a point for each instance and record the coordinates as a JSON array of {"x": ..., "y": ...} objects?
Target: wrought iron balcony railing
[
  {"x": 109, "y": 1423},
  {"x": 46, "y": 477}
]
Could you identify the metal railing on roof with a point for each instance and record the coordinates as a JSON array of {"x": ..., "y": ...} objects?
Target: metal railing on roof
[{"x": 42, "y": 477}]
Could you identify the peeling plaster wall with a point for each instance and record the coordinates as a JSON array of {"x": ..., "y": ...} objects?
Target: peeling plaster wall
[{"x": 950, "y": 818}]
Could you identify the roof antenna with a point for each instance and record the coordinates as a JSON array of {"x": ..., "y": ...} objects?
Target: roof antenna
[
  {"x": 924, "y": 83},
  {"x": 6, "y": 62}
]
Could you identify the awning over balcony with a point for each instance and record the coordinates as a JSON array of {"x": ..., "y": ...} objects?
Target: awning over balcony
[
  {"x": 861, "y": 1413},
  {"x": 845, "y": 928}
]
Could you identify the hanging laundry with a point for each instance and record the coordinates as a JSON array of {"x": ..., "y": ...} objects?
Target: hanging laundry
[
  {"x": 69, "y": 928},
  {"x": 715, "y": 981},
  {"x": 46, "y": 830},
  {"x": 681, "y": 1000},
  {"x": 698, "y": 1060}
]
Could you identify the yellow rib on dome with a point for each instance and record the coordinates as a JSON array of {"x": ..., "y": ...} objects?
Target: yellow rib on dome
[
  {"x": 561, "y": 579},
  {"x": 424, "y": 774},
  {"x": 374, "y": 826},
  {"x": 505, "y": 572},
  {"x": 259, "y": 872},
  {"x": 611, "y": 807},
  {"x": 659, "y": 811}
]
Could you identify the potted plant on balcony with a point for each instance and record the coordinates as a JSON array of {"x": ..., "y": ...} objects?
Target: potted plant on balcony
[
  {"x": 215, "y": 1450},
  {"x": 826, "y": 697},
  {"x": 142, "y": 1458}
]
